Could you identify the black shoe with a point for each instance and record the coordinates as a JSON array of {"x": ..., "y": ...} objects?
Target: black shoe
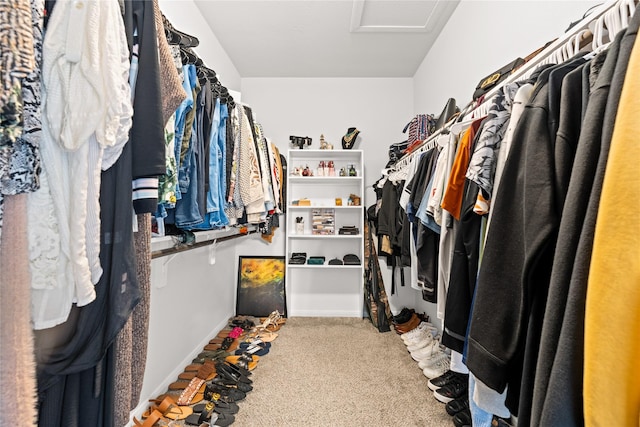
[
  {"x": 403, "y": 316},
  {"x": 462, "y": 418},
  {"x": 446, "y": 378},
  {"x": 456, "y": 388},
  {"x": 457, "y": 405}
]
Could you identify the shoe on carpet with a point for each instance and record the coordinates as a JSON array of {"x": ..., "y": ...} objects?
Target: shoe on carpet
[
  {"x": 436, "y": 383},
  {"x": 404, "y": 316},
  {"x": 420, "y": 330},
  {"x": 436, "y": 350},
  {"x": 438, "y": 365},
  {"x": 457, "y": 405},
  {"x": 422, "y": 342},
  {"x": 456, "y": 388},
  {"x": 408, "y": 326},
  {"x": 425, "y": 353},
  {"x": 462, "y": 418}
]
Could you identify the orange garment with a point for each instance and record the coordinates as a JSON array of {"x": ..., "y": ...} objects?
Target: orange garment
[{"x": 452, "y": 200}]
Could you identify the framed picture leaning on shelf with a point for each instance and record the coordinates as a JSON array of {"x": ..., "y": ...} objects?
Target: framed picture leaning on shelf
[{"x": 261, "y": 289}]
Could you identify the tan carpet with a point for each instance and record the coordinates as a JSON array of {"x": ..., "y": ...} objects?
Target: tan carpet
[{"x": 339, "y": 372}]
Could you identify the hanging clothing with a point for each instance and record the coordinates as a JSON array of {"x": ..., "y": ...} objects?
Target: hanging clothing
[
  {"x": 17, "y": 362},
  {"x": 74, "y": 378},
  {"x": 64, "y": 252},
  {"x": 249, "y": 178},
  {"x": 452, "y": 199},
  {"x": 172, "y": 93},
  {"x": 560, "y": 363},
  {"x": 498, "y": 361},
  {"x": 613, "y": 294}
]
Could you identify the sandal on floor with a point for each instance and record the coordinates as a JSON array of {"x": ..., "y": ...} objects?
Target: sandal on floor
[
  {"x": 227, "y": 394},
  {"x": 168, "y": 408},
  {"x": 220, "y": 405},
  {"x": 225, "y": 370},
  {"x": 189, "y": 375},
  {"x": 209, "y": 416},
  {"x": 249, "y": 363},
  {"x": 273, "y": 323},
  {"x": 234, "y": 368},
  {"x": 265, "y": 336},
  {"x": 225, "y": 382},
  {"x": 150, "y": 421}
]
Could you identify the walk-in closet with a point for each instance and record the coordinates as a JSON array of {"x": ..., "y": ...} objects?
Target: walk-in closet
[{"x": 305, "y": 213}]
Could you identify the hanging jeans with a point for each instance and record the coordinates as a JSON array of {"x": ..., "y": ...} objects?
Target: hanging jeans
[{"x": 187, "y": 211}]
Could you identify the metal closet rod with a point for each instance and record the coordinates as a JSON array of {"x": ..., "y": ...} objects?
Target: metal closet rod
[
  {"x": 544, "y": 56},
  {"x": 525, "y": 69},
  {"x": 182, "y": 247}
]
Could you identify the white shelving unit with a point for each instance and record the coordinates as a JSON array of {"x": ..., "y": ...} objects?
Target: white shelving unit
[{"x": 325, "y": 290}]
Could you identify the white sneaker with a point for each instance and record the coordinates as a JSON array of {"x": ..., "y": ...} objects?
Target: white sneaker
[
  {"x": 416, "y": 331},
  {"x": 438, "y": 366},
  {"x": 426, "y": 352},
  {"x": 424, "y": 341},
  {"x": 429, "y": 330}
]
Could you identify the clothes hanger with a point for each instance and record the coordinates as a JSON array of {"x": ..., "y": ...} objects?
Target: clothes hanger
[
  {"x": 178, "y": 37},
  {"x": 188, "y": 57}
]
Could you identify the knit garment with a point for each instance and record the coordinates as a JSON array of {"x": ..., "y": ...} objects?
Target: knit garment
[
  {"x": 17, "y": 363},
  {"x": 131, "y": 343},
  {"x": 170, "y": 82},
  {"x": 249, "y": 179}
]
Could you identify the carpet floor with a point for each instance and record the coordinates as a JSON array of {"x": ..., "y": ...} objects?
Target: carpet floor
[{"x": 339, "y": 372}]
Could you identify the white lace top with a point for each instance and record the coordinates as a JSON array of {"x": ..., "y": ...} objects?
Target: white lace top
[{"x": 86, "y": 105}]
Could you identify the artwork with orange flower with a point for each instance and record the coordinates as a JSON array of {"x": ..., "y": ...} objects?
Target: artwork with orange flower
[{"x": 261, "y": 287}]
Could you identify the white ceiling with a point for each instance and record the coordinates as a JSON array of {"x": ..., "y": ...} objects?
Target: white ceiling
[{"x": 327, "y": 38}]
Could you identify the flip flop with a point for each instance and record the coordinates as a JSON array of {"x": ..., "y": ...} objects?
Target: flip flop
[{"x": 253, "y": 350}]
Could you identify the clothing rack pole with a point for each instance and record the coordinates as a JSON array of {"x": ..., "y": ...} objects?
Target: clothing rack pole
[
  {"x": 187, "y": 247},
  {"x": 530, "y": 66},
  {"x": 549, "y": 51}
]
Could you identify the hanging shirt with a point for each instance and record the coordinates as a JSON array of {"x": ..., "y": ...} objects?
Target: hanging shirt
[{"x": 452, "y": 199}]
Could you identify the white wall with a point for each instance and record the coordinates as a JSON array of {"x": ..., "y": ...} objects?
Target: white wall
[
  {"x": 185, "y": 16},
  {"x": 471, "y": 47},
  {"x": 379, "y": 108}
]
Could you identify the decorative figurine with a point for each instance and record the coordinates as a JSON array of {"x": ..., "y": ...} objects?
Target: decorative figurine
[
  {"x": 349, "y": 140},
  {"x": 324, "y": 145}
]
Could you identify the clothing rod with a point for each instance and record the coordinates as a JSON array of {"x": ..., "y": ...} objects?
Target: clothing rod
[
  {"x": 528, "y": 67},
  {"x": 550, "y": 50},
  {"x": 187, "y": 247}
]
